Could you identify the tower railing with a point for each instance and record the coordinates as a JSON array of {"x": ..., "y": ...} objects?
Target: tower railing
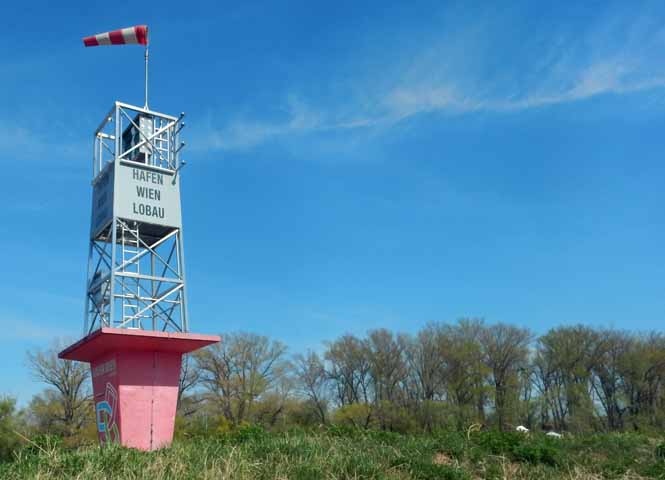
[{"x": 155, "y": 138}]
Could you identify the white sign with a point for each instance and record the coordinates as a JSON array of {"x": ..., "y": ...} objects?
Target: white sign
[{"x": 147, "y": 195}]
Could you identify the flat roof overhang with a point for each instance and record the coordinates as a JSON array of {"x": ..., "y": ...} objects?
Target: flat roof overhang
[{"x": 107, "y": 340}]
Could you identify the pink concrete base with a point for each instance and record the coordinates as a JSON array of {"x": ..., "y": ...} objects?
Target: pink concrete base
[{"x": 135, "y": 379}]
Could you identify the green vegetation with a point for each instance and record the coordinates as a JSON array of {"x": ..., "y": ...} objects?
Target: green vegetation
[
  {"x": 443, "y": 403},
  {"x": 339, "y": 452},
  {"x": 573, "y": 379},
  {"x": 9, "y": 441}
]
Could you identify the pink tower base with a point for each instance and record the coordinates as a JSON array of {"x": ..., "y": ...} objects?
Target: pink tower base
[{"x": 135, "y": 380}]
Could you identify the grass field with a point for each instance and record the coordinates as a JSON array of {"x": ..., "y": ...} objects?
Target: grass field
[{"x": 340, "y": 454}]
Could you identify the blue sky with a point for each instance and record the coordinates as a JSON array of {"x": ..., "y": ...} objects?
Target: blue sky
[{"x": 351, "y": 165}]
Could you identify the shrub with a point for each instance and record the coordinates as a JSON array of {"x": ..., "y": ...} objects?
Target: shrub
[
  {"x": 248, "y": 433},
  {"x": 342, "y": 430},
  {"x": 202, "y": 426},
  {"x": 9, "y": 441},
  {"x": 384, "y": 437},
  {"x": 660, "y": 451},
  {"x": 499, "y": 443},
  {"x": 358, "y": 415},
  {"x": 536, "y": 453},
  {"x": 518, "y": 447},
  {"x": 430, "y": 471},
  {"x": 394, "y": 418},
  {"x": 452, "y": 443}
]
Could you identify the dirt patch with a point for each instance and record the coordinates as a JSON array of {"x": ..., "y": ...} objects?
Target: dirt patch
[{"x": 441, "y": 458}]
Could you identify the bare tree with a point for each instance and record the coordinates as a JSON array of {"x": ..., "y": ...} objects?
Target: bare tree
[
  {"x": 464, "y": 370},
  {"x": 69, "y": 383},
  {"x": 424, "y": 360},
  {"x": 190, "y": 377},
  {"x": 388, "y": 368},
  {"x": 239, "y": 369},
  {"x": 349, "y": 369},
  {"x": 506, "y": 350},
  {"x": 643, "y": 379},
  {"x": 564, "y": 362},
  {"x": 313, "y": 382},
  {"x": 607, "y": 377}
]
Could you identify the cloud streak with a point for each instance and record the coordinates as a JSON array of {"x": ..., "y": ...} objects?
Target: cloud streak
[
  {"x": 33, "y": 144},
  {"x": 25, "y": 330},
  {"x": 441, "y": 79}
]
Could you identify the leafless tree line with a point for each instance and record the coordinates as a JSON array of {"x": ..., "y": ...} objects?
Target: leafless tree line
[{"x": 573, "y": 378}]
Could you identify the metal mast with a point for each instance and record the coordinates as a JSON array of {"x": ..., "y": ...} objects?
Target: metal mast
[{"x": 146, "y": 78}]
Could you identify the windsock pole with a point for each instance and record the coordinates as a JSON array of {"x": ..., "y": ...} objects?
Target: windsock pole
[
  {"x": 146, "y": 77},
  {"x": 136, "y": 35}
]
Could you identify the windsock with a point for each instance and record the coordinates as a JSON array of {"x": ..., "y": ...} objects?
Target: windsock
[{"x": 137, "y": 35}]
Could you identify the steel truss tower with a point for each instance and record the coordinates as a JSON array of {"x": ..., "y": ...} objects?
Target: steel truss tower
[{"x": 136, "y": 263}]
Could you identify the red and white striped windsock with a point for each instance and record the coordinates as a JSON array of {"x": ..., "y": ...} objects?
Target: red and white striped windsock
[{"x": 137, "y": 35}]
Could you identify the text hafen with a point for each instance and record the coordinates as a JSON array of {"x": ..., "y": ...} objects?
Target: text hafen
[
  {"x": 148, "y": 177},
  {"x": 148, "y": 193}
]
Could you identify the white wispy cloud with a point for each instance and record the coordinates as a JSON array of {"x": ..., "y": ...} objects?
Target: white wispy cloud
[
  {"x": 18, "y": 141},
  {"x": 25, "y": 330},
  {"x": 242, "y": 133},
  {"x": 618, "y": 55},
  {"x": 14, "y": 137}
]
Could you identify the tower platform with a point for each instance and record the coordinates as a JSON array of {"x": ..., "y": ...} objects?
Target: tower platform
[{"x": 135, "y": 378}]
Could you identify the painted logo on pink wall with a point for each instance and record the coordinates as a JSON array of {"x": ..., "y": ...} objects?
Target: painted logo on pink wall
[{"x": 106, "y": 412}]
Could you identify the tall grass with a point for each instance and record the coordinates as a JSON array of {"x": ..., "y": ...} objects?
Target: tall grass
[{"x": 251, "y": 453}]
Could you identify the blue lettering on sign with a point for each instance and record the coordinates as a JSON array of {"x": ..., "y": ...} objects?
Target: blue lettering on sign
[{"x": 103, "y": 406}]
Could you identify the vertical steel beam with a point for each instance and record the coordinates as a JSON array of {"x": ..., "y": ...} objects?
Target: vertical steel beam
[
  {"x": 184, "y": 320},
  {"x": 153, "y": 290},
  {"x": 114, "y": 239},
  {"x": 118, "y": 132},
  {"x": 86, "y": 325}
]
